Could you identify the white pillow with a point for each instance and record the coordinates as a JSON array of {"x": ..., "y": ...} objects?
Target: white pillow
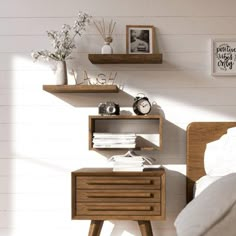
[
  {"x": 220, "y": 155},
  {"x": 213, "y": 155},
  {"x": 231, "y": 131}
]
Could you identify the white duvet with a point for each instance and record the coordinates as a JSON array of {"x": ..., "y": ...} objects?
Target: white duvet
[{"x": 211, "y": 213}]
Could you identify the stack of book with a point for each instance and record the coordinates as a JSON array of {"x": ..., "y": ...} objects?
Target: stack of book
[
  {"x": 114, "y": 140},
  {"x": 129, "y": 162}
]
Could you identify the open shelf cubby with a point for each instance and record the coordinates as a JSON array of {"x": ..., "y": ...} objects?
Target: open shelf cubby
[
  {"x": 148, "y": 129},
  {"x": 81, "y": 88},
  {"x": 125, "y": 58}
]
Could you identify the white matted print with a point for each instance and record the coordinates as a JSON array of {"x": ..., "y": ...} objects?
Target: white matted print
[
  {"x": 139, "y": 39},
  {"x": 223, "y": 58}
]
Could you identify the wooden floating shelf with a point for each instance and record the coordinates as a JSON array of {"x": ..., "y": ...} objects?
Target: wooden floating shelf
[
  {"x": 136, "y": 124},
  {"x": 125, "y": 58},
  {"x": 81, "y": 88},
  {"x": 125, "y": 117}
]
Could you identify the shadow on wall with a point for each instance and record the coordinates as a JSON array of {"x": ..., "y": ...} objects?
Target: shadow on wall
[
  {"x": 173, "y": 151},
  {"x": 93, "y": 99}
]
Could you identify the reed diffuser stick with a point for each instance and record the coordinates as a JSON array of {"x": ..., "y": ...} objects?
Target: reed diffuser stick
[{"x": 103, "y": 31}]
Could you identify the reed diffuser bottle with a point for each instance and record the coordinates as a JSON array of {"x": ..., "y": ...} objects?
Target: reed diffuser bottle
[{"x": 106, "y": 35}]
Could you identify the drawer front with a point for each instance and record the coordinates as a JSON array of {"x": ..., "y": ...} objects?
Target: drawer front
[
  {"x": 124, "y": 182},
  {"x": 122, "y": 209},
  {"x": 118, "y": 196}
]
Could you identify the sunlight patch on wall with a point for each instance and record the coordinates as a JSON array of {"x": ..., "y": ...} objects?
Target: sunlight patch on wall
[
  {"x": 107, "y": 228},
  {"x": 125, "y": 233},
  {"x": 28, "y": 74}
]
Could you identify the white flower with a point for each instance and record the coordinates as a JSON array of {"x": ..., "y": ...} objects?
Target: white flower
[{"x": 63, "y": 41}]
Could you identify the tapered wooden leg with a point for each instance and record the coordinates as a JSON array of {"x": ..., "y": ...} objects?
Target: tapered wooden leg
[
  {"x": 145, "y": 227},
  {"x": 95, "y": 227}
]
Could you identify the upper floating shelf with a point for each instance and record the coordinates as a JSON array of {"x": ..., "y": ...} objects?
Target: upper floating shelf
[
  {"x": 81, "y": 88},
  {"x": 125, "y": 58}
]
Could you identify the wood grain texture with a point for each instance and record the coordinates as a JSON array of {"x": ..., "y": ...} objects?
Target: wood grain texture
[
  {"x": 95, "y": 227},
  {"x": 81, "y": 88},
  {"x": 132, "y": 196},
  {"x": 145, "y": 228},
  {"x": 115, "y": 182},
  {"x": 125, "y": 58},
  {"x": 121, "y": 196},
  {"x": 127, "y": 210},
  {"x": 198, "y": 135}
]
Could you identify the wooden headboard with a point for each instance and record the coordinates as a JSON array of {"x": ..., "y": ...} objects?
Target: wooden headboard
[{"x": 198, "y": 135}]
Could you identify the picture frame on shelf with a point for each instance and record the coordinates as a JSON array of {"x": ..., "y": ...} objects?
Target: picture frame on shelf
[
  {"x": 140, "y": 39},
  {"x": 223, "y": 57}
]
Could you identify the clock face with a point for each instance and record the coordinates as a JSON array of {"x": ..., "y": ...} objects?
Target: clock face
[{"x": 144, "y": 106}]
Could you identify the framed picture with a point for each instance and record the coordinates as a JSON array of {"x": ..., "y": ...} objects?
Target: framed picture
[
  {"x": 139, "y": 39},
  {"x": 223, "y": 57}
]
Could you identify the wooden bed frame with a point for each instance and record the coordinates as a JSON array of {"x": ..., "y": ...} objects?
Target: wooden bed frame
[{"x": 198, "y": 135}]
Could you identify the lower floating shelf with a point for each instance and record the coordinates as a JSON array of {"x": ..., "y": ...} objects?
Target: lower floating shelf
[{"x": 81, "y": 88}]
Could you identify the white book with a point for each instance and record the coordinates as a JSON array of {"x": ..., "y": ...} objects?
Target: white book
[
  {"x": 114, "y": 145},
  {"x": 139, "y": 169},
  {"x": 128, "y": 163},
  {"x": 100, "y": 133},
  {"x": 128, "y": 159},
  {"x": 114, "y": 135},
  {"x": 114, "y": 141}
]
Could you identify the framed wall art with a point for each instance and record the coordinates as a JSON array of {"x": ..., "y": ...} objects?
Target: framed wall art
[
  {"x": 223, "y": 57},
  {"x": 139, "y": 39}
]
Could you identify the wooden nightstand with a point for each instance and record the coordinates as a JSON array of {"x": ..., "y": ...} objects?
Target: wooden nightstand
[{"x": 100, "y": 194}]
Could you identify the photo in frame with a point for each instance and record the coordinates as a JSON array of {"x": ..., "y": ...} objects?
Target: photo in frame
[
  {"x": 223, "y": 57},
  {"x": 139, "y": 39}
]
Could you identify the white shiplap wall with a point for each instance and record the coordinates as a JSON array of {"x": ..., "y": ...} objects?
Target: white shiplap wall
[{"x": 44, "y": 137}]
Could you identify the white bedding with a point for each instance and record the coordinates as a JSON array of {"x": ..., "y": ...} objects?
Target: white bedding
[
  {"x": 203, "y": 183},
  {"x": 211, "y": 213},
  {"x": 220, "y": 155}
]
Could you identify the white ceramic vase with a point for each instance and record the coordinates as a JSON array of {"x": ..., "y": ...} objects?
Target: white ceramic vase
[
  {"x": 61, "y": 73},
  {"x": 107, "y": 49}
]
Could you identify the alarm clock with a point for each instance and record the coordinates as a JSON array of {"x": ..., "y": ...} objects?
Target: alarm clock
[{"x": 141, "y": 105}]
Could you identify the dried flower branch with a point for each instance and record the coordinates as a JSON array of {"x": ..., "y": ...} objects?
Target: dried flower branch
[
  {"x": 63, "y": 41},
  {"x": 101, "y": 27}
]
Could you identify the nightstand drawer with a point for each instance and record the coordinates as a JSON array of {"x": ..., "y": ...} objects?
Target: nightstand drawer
[
  {"x": 118, "y": 209},
  {"x": 118, "y": 196},
  {"x": 118, "y": 182},
  {"x": 102, "y": 194}
]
